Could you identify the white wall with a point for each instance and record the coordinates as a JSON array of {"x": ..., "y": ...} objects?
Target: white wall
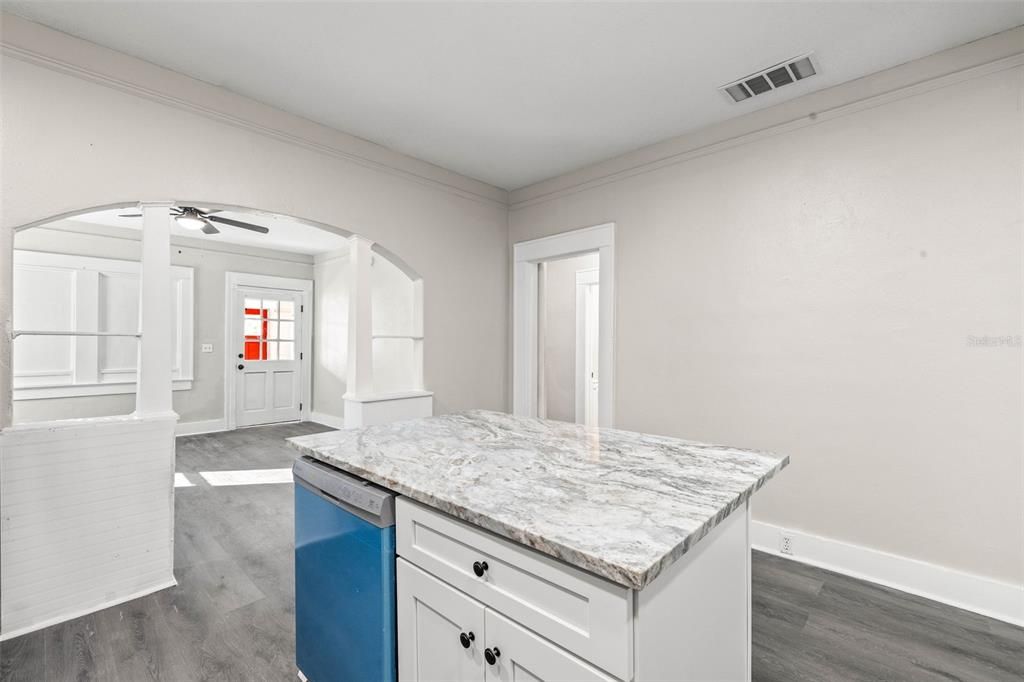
[
  {"x": 813, "y": 288},
  {"x": 392, "y": 302},
  {"x": 86, "y": 127},
  {"x": 330, "y": 343},
  {"x": 560, "y": 334},
  {"x": 205, "y": 400}
]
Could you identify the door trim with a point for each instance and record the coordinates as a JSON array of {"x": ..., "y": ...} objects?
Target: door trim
[
  {"x": 526, "y": 256},
  {"x": 584, "y": 278},
  {"x": 233, "y": 280}
]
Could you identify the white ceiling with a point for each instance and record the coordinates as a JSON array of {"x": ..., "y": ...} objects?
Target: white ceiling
[
  {"x": 286, "y": 234},
  {"x": 513, "y": 93}
]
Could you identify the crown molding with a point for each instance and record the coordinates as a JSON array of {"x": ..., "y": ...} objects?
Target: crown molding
[
  {"x": 973, "y": 60},
  {"x": 37, "y": 44}
]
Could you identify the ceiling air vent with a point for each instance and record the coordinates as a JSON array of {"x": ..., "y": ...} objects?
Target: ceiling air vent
[{"x": 769, "y": 79}]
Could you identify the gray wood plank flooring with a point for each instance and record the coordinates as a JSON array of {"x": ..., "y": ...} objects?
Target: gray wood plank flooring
[{"x": 231, "y": 616}]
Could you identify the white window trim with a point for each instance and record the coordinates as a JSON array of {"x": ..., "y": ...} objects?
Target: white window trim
[
  {"x": 182, "y": 366},
  {"x": 233, "y": 280},
  {"x": 526, "y": 256}
]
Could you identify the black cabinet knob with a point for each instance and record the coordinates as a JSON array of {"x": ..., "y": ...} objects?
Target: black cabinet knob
[
  {"x": 492, "y": 655},
  {"x": 240, "y": 356},
  {"x": 479, "y": 567},
  {"x": 466, "y": 638},
  {"x": 241, "y": 367}
]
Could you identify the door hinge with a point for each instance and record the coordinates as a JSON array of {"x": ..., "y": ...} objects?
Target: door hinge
[
  {"x": 300, "y": 407},
  {"x": 302, "y": 308},
  {"x": 300, "y": 356}
]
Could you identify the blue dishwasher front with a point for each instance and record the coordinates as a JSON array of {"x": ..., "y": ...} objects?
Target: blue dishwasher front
[{"x": 344, "y": 576}]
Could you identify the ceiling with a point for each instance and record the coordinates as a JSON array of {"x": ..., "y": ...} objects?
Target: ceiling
[
  {"x": 514, "y": 93},
  {"x": 286, "y": 234}
]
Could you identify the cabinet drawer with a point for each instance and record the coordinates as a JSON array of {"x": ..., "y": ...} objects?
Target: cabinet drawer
[{"x": 582, "y": 613}]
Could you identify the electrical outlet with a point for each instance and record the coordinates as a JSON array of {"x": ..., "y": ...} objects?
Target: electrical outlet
[
  {"x": 206, "y": 348},
  {"x": 785, "y": 543}
]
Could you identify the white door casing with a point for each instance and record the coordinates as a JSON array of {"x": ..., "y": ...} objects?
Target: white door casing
[
  {"x": 268, "y": 351},
  {"x": 588, "y": 369},
  {"x": 525, "y": 309}
]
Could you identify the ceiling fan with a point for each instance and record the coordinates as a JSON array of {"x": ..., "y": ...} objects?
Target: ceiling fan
[{"x": 192, "y": 218}]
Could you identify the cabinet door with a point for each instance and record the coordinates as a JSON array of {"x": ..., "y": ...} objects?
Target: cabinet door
[
  {"x": 525, "y": 657},
  {"x": 432, "y": 619}
]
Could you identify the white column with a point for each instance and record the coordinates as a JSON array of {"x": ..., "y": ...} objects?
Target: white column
[
  {"x": 155, "y": 307},
  {"x": 360, "y": 319},
  {"x": 417, "y": 330}
]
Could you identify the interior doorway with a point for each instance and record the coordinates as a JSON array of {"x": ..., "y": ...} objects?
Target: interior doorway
[
  {"x": 563, "y": 345},
  {"x": 588, "y": 361},
  {"x": 267, "y": 349}
]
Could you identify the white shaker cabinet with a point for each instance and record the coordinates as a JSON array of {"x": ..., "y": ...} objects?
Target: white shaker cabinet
[
  {"x": 528, "y": 617},
  {"x": 444, "y": 636},
  {"x": 435, "y": 625},
  {"x": 519, "y": 655}
]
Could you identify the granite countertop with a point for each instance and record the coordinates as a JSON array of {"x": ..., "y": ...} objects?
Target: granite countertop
[{"x": 619, "y": 504}]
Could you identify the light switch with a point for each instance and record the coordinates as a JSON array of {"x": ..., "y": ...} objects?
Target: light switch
[{"x": 206, "y": 348}]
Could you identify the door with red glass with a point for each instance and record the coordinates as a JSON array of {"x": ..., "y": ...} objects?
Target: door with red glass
[{"x": 268, "y": 377}]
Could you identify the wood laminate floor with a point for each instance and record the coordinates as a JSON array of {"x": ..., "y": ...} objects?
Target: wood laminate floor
[{"x": 231, "y": 616}]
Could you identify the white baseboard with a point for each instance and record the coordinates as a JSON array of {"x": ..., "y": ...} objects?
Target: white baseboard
[
  {"x": 195, "y": 428},
  {"x": 985, "y": 596},
  {"x": 162, "y": 585},
  {"x": 327, "y": 419}
]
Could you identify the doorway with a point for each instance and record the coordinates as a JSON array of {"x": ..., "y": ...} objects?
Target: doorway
[
  {"x": 267, "y": 349},
  {"x": 590, "y": 389},
  {"x": 588, "y": 361}
]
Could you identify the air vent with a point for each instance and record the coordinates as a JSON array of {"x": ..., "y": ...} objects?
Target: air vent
[{"x": 772, "y": 78}]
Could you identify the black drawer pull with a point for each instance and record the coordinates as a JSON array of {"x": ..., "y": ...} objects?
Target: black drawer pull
[
  {"x": 467, "y": 639},
  {"x": 492, "y": 655},
  {"x": 479, "y": 567}
]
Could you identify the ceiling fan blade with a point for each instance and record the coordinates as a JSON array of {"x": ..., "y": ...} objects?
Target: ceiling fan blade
[
  {"x": 238, "y": 223},
  {"x": 208, "y": 228},
  {"x": 129, "y": 215}
]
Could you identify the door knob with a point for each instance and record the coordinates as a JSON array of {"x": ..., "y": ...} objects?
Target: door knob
[
  {"x": 492, "y": 655},
  {"x": 479, "y": 567},
  {"x": 466, "y": 638},
  {"x": 241, "y": 367}
]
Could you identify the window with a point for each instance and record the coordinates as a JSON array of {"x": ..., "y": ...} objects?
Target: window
[
  {"x": 269, "y": 329},
  {"x": 65, "y": 295}
]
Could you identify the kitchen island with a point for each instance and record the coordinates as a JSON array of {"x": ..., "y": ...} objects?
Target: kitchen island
[{"x": 535, "y": 549}]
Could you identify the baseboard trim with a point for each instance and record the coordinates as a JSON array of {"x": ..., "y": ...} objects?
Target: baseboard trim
[
  {"x": 327, "y": 419},
  {"x": 196, "y": 428},
  {"x": 981, "y": 595},
  {"x": 162, "y": 585}
]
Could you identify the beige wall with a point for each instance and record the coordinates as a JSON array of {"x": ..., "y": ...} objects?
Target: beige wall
[
  {"x": 88, "y": 132},
  {"x": 560, "y": 334},
  {"x": 205, "y": 400},
  {"x": 813, "y": 290}
]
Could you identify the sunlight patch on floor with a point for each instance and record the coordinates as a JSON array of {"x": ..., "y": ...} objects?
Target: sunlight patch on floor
[{"x": 247, "y": 476}]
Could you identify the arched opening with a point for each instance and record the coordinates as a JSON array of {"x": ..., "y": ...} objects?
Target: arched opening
[
  {"x": 130, "y": 327},
  {"x": 78, "y": 274}
]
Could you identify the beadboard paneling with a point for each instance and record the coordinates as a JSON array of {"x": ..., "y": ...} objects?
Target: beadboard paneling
[{"x": 87, "y": 517}]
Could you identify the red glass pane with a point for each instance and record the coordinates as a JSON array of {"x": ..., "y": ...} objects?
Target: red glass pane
[{"x": 255, "y": 347}]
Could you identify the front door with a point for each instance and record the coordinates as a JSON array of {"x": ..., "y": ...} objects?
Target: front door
[{"x": 268, "y": 372}]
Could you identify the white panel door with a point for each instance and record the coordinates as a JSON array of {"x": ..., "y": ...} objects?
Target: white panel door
[
  {"x": 268, "y": 372},
  {"x": 514, "y": 654},
  {"x": 440, "y": 630}
]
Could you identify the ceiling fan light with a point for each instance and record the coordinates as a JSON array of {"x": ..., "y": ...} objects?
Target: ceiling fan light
[{"x": 190, "y": 221}]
